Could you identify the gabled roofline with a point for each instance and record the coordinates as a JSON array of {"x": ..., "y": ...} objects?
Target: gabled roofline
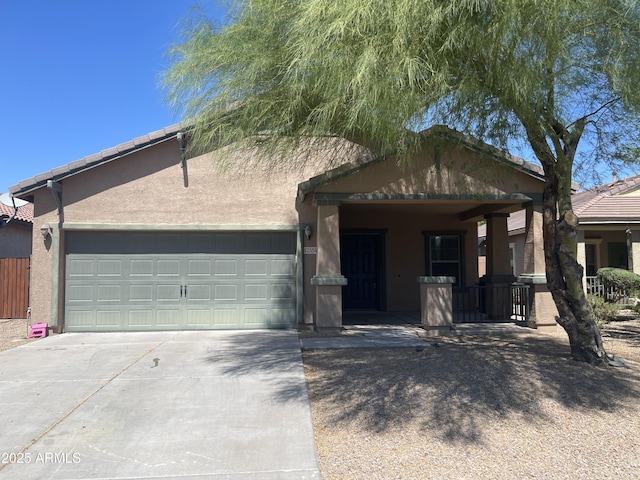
[
  {"x": 478, "y": 146},
  {"x": 24, "y": 188},
  {"x": 471, "y": 143}
]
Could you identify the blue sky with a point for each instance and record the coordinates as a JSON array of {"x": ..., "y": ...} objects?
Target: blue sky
[{"x": 80, "y": 76}]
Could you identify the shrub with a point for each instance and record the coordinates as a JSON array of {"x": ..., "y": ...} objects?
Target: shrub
[
  {"x": 603, "y": 311},
  {"x": 621, "y": 282}
]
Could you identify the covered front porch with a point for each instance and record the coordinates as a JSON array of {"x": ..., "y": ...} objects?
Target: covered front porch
[
  {"x": 384, "y": 250},
  {"x": 381, "y": 233}
]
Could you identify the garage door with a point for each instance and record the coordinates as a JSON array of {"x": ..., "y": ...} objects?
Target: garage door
[{"x": 178, "y": 281}]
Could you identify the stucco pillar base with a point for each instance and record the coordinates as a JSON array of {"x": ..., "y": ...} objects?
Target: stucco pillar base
[
  {"x": 328, "y": 302},
  {"x": 436, "y": 314},
  {"x": 543, "y": 311}
]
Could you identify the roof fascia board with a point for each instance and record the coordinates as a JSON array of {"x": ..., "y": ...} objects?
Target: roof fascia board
[
  {"x": 30, "y": 188},
  {"x": 178, "y": 227},
  {"x": 337, "y": 198}
]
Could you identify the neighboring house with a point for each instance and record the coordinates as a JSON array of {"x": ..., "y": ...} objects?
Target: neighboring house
[
  {"x": 15, "y": 236},
  {"x": 15, "y": 250},
  {"x": 143, "y": 238},
  {"x": 609, "y": 234}
]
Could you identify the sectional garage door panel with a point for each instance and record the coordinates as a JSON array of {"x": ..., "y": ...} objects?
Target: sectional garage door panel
[{"x": 243, "y": 284}]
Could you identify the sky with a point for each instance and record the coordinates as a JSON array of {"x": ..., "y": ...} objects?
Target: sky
[{"x": 81, "y": 76}]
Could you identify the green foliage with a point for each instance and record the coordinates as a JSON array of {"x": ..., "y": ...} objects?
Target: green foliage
[
  {"x": 619, "y": 280},
  {"x": 545, "y": 71},
  {"x": 603, "y": 311}
]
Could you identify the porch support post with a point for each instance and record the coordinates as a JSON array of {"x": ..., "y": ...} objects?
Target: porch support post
[
  {"x": 581, "y": 257},
  {"x": 436, "y": 313},
  {"x": 542, "y": 308},
  {"x": 328, "y": 279},
  {"x": 634, "y": 256},
  {"x": 499, "y": 274},
  {"x": 497, "y": 245}
]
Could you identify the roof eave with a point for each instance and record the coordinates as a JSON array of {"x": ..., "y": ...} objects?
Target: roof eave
[{"x": 25, "y": 188}]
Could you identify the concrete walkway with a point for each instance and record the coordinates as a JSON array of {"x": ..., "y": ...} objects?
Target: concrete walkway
[
  {"x": 154, "y": 405},
  {"x": 399, "y": 335}
]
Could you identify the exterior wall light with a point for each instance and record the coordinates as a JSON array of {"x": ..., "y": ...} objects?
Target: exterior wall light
[
  {"x": 307, "y": 232},
  {"x": 45, "y": 230}
]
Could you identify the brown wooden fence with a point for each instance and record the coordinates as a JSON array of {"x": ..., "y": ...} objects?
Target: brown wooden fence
[{"x": 14, "y": 287}]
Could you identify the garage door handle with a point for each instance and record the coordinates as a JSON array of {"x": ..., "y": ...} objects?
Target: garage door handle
[
  {"x": 181, "y": 291},
  {"x": 185, "y": 291}
]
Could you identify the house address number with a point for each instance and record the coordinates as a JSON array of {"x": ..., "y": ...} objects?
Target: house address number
[{"x": 310, "y": 250}]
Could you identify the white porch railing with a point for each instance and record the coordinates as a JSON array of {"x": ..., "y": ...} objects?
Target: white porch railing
[{"x": 595, "y": 287}]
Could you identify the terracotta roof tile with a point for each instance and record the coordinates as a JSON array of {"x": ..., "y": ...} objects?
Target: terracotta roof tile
[
  {"x": 608, "y": 201},
  {"x": 24, "y": 214}
]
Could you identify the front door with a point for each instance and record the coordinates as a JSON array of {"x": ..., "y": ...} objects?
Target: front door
[{"x": 361, "y": 265}]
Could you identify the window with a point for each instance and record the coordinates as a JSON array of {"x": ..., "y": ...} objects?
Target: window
[
  {"x": 591, "y": 259},
  {"x": 443, "y": 255}
]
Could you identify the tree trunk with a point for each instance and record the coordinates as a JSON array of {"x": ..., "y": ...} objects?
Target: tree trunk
[{"x": 564, "y": 277}]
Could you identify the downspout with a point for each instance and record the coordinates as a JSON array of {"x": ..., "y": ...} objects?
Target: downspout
[{"x": 182, "y": 143}]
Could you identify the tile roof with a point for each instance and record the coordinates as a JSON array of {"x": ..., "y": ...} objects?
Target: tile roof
[
  {"x": 25, "y": 187},
  {"x": 611, "y": 202},
  {"x": 24, "y": 214}
]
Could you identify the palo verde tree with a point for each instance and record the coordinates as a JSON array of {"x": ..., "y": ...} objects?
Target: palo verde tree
[{"x": 560, "y": 76}]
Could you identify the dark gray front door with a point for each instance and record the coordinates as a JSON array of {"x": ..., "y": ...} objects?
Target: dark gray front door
[{"x": 361, "y": 265}]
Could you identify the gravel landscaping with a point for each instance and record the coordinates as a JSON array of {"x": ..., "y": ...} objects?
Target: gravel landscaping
[
  {"x": 508, "y": 406},
  {"x": 14, "y": 333},
  {"x": 475, "y": 407}
]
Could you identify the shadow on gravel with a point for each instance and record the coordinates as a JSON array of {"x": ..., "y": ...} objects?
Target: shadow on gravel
[
  {"x": 458, "y": 388},
  {"x": 621, "y": 330}
]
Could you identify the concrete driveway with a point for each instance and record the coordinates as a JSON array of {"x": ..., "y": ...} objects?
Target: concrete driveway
[{"x": 156, "y": 405}]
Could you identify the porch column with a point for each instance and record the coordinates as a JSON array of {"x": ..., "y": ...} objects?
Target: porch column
[
  {"x": 328, "y": 279},
  {"x": 634, "y": 255},
  {"x": 497, "y": 245},
  {"x": 499, "y": 274},
  {"x": 436, "y": 314},
  {"x": 542, "y": 308},
  {"x": 581, "y": 257}
]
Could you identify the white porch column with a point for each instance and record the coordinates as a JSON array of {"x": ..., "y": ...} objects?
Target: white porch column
[
  {"x": 328, "y": 279},
  {"x": 543, "y": 311},
  {"x": 634, "y": 257},
  {"x": 581, "y": 257}
]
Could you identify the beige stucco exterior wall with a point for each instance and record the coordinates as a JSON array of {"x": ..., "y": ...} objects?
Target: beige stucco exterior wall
[
  {"x": 438, "y": 171},
  {"x": 606, "y": 237},
  {"x": 42, "y": 256},
  {"x": 151, "y": 188},
  {"x": 15, "y": 240},
  {"x": 405, "y": 246}
]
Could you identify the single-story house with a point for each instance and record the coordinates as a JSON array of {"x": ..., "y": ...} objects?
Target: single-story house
[{"x": 145, "y": 237}]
